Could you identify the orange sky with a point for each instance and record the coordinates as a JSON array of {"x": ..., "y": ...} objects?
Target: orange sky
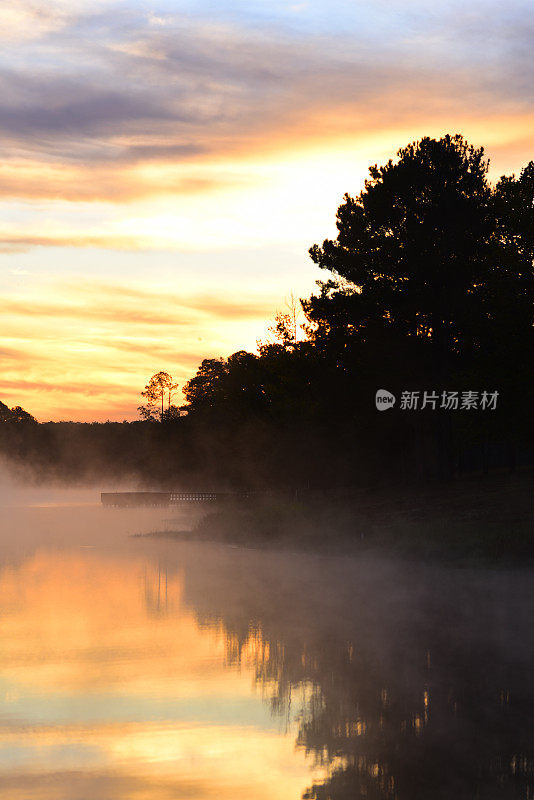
[{"x": 164, "y": 171}]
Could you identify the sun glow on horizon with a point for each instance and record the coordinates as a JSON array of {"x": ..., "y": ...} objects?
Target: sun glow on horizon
[{"x": 199, "y": 151}]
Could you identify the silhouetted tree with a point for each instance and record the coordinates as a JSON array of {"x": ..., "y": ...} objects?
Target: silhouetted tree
[
  {"x": 429, "y": 250},
  {"x": 18, "y": 414},
  {"x": 15, "y": 414},
  {"x": 206, "y": 388},
  {"x": 158, "y": 389},
  {"x": 171, "y": 414},
  {"x": 285, "y": 328},
  {"x": 431, "y": 282}
]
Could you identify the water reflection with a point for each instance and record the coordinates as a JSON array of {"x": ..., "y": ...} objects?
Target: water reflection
[
  {"x": 110, "y": 688},
  {"x": 418, "y": 680},
  {"x": 127, "y": 671}
]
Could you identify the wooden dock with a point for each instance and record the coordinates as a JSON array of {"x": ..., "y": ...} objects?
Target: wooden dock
[{"x": 160, "y": 499}]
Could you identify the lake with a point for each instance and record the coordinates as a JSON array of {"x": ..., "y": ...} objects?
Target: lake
[{"x": 135, "y": 668}]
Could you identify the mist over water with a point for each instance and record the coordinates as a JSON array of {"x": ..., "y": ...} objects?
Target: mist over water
[{"x": 136, "y": 667}]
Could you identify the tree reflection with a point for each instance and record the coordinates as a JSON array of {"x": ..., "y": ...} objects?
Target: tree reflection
[{"x": 431, "y": 699}]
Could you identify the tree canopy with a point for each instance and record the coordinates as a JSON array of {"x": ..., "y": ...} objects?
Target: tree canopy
[
  {"x": 429, "y": 286},
  {"x": 15, "y": 414},
  {"x": 159, "y": 389},
  {"x": 430, "y": 250}
]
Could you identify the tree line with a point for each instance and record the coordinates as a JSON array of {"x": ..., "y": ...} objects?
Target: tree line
[{"x": 428, "y": 293}]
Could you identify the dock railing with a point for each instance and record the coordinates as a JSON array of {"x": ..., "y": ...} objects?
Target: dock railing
[{"x": 136, "y": 499}]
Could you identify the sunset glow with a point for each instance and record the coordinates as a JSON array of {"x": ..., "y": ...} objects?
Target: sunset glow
[{"x": 166, "y": 167}]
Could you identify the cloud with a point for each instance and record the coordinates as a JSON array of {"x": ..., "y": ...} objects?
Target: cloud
[
  {"x": 16, "y": 355},
  {"x": 113, "y": 303},
  {"x": 74, "y": 183},
  {"x": 196, "y": 89},
  {"x": 23, "y": 20},
  {"x": 156, "y": 351},
  {"x": 217, "y": 305},
  {"x": 19, "y": 243},
  {"x": 78, "y": 388},
  {"x": 113, "y": 313}
]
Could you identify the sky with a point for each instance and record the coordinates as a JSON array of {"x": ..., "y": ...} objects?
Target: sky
[{"x": 165, "y": 166}]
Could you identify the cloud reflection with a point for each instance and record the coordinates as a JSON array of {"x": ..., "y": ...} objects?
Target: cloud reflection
[{"x": 110, "y": 688}]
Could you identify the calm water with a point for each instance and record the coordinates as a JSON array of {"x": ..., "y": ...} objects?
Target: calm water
[{"x": 133, "y": 668}]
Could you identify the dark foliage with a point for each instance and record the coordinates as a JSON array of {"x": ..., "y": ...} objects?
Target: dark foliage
[{"x": 429, "y": 288}]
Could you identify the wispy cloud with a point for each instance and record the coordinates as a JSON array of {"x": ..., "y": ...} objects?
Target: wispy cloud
[
  {"x": 197, "y": 89},
  {"x": 39, "y": 181},
  {"x": 104, "y": 303},
  {"x": 16, "y": 355}
]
